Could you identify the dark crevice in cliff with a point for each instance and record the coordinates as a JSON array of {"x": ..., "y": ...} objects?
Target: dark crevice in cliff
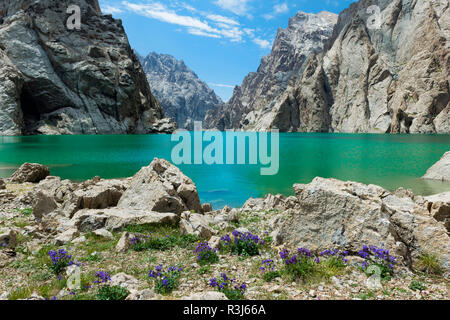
[{"x": 30, "y": 110}]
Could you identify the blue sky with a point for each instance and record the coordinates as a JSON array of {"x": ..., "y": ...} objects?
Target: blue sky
[{"x": 220, "y": 40}]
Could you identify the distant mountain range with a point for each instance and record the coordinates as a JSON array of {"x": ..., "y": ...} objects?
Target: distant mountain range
[
  {"x": 183, "y": 96},
  {"x": 326, "y": 73}
]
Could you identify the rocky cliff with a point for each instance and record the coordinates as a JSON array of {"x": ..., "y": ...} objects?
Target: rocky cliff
[
  {"x": 389, "y": 79},
  {"x": 183, "y": 96},
  {"x": 382, "y": 75},
  {"x": 60, "y": 81},
  {"x": 305, "y": 35}
]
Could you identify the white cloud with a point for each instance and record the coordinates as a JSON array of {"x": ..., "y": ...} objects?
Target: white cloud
[
  {"x": 264, "y": 44},
  {"x": 197, "y": 32},
  {"x": 277, "y": 9},
  {"x": 159, "y": 12},
  {"x": 224, "y": 27},
  {"x": 222, "y": 19},
  {"x": 111, "y": 10},
  {"x": 238, "y": 7},
  {"x": 281, "y": 8},
  {"x": 221, "y": 85}
]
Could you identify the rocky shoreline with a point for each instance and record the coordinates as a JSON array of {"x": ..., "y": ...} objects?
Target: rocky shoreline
[{"x": 127, "y": 227}]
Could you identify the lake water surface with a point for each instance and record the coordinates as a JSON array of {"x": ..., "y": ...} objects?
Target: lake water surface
[{"x": 390, "y": 161}]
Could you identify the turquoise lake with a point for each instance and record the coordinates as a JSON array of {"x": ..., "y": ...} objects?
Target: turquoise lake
[{"x": 390, "y": 161}]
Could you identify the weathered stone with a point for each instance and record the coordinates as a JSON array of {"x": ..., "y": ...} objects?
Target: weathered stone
[
  {"x": 102, "y": 194},
  {"x": 104, "y": 233},
  {"x": 30, "y": 172},
  {"x": 197, "y": 225},
  {"x": 43, "y": 204},
  {"x": 125, "y": 242},
  {"x": 439, "y": 207},
  {"x": 8, "y": 238},
  {"x": 66, "y": 237},
  {"x": 2, "y": 184},
  {"x": 78, "y": 240},
  {"x": 143, "y": 295},
  {"x": 214, "y": 242},
  {"x": 125, "y": 281},
  {"x": 440, "y": 170},
  {"x": 115, "y": 219},
  {"x": 207, "y": 207},
  {"x": 161, "y": 187}
]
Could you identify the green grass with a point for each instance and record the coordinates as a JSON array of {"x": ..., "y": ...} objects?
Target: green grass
[
  {"x": 112, "y": 293},
  {"x": 26, "y": 212},
  {"x": 368, "y": 295},
  {"x": 308, "y": 271},
  {"x": 429, "y": 263},
  {"x": 271, "y": 275},
  {"x": 20, "y": 293},
  {"x": 95, "y": 243},
  {"x": 417, "y": 286},
  {"x": 161, "y": 237},
  {"x": 204, "y": 270}
]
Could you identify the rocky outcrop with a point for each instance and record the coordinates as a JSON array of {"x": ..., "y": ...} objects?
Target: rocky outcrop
[
  {"x": 348, "y": 215},
  {"x": 256, "y": 97},
  {"x": 387, "y": 77},
  {"x": 439, "y": 207},
  {"x": 30, "y": 172},
  {"x": 115, "y": 219},
  {"x": 161, "y": 187},
  {"x": 440, "y": 170},
  {"x": 183, "y": 96},
  {"x": 59, "y": 81}
]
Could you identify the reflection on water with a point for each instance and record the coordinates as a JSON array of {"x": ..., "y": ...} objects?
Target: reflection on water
[{"x": 391, "y": 161}]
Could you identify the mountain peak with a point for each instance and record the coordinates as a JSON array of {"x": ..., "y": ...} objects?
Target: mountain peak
[{"x": 183, "y": 96}]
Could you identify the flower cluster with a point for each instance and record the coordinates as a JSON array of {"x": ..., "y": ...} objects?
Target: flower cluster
[
  {"x": 60, "y": 260},
  {"x": 244, "y": 243},
  {"x": 166, "y": 280},
  {"x": 267, "y": 265},
  {"x": 232, "y": 289},
  {"x": 379, "y": 257},
  {"x": 206, "y": 254},
  {"x": 339, "y": 254},
  {"x": 268, "y": 270},
  {"x": 288, "y": 259},
  {"x": 102, "y": 277}
]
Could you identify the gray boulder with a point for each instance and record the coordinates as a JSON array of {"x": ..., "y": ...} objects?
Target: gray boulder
[
  {"x": 349, "y": 215},
  {"x": 440, "y": 170},
  {"x": 161, "y": 187},
  {"x": 8, "y": 238},
  {"x": 115, "y": 219},
  {"x": 30, "y": 172}
]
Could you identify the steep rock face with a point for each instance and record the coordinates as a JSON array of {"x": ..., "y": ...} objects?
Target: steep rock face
[
  {"x": 183, "y": 96},
  {"x": 390, "y": 79},
  {"x": 440, "y": 170},
  {"x": 61, "y": 81},
  {"x": 256, "y": 97}
]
